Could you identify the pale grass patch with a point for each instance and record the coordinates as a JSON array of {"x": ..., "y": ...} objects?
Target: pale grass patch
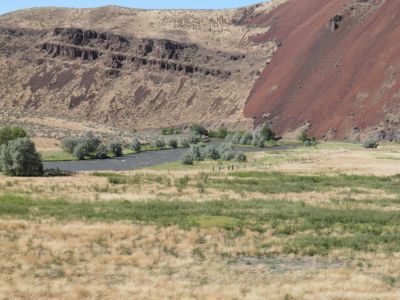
[{"x": 89, "y": 261}]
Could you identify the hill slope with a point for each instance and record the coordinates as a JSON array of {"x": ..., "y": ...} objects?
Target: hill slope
[
  {"x": 132, "y": 68},
  {"x": 327, "y": 66},
  {"x": 336, "y": 71}
]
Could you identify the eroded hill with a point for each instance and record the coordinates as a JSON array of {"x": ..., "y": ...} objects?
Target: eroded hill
[
  {"x": 326, "y": 66},
  {"x": 132, "y": 68}
]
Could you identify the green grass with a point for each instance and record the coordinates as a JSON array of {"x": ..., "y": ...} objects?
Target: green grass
[
  {"x": 273, "y": 182},
  {"x": 303, "y": 229},
  {"x": 58, "y": 156}
]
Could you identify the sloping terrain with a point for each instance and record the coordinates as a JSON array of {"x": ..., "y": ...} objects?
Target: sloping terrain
[
  {"x": 133, "y": 68},
  {"x": 336, "y": 71},
  {"x": 329, "y": 66}
]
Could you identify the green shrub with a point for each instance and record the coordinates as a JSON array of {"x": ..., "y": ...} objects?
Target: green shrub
[
  {"x": 160, "y": 143},
  {"x": 220, "y": 133},
  {"x": 212, "y": 153},
  {"x": 11, "y": 133},
  {"x": 116, "y": 148},
  {"x": 187, "y": 159},
  {"x": 246, "y": 139},
  {"x": 80, "y": 151},
  {"x": 185, "y": 143},
  {"x": 136, "y": 145},
  {"x": 240, "y": 157},
  {"x": 173, "y": 143},
  {"x": 261, "y": 143},
  {"x": 198, "y": 129},
  {"x": 194, "y": 138},
  {"x": 20, "y": 158},
  {"x": 303, "y": 137},
  {"x": 102, "y": 152},
  {"x": 90, "y": 141},
  {"x": 182, "y": 183},
  {"x": 81, "y": 146},
  {"x": 167, "y": 131},
  {"x": 226, "y": 151},
  {"x": 196, "y": 153},
  {"x": 69, "y": 143},
  {"x": 267, "y": 133},
  {"x": 371, "y": 144},
  {"x": 310, "y": 143}
]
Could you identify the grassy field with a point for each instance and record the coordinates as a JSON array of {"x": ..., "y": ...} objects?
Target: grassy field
[{"x": 309, "y": 223}]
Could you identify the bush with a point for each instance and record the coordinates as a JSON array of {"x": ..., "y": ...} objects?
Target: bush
[
  {"x": 160, "y": 143},
  {"x": 236, "y": 138},
  {"x": 371, "y": 144},
  {"x": 69, "y": 143},
  {"x": 310, "y": 143},
  {"x": 220, "y": 133},
  {"x": 81, "y": 146},
  {"x": 102, "y": 152},
  {"x": 198, "y": 129},
  {"x": 182, "y": 183},
  {"x": 212, "y": 153},
  {"x": 136, "y": 146},
  {"x": 194, "y": 138},
  {"x": 173, "y": 143},
  {"x": 303, "y": 137},
  {"x": 246, "y": 139},
  {"x": 267, "y": 134},
  {"x": 167, "y": 131},
  {"x": 116, "y": 148},
  {"x": 80, "y": 151},
  {"x": 240, "y": 157},
  {"x": 20, "y": 158},
  {"x": 90, "y": 141},
  {"x": 8, "y": 134},
  {"x": 185, "y": 143},
  {"x": 261, "y": 143},
  {"x": 196, "y": 153},
  {"x": 187, "y": 159},
  {"x": 226, "y": 151}
]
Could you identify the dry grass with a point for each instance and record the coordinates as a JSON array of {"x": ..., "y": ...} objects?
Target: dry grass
[
  {"x": 50, "y": 259},
  {"x": 121, "y": 261}
]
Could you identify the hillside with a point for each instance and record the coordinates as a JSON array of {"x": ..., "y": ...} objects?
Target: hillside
[
  {"x": 326, "y": 66},
  {"x": 133, "y": 68},
  {"x": 336, "y": 71}
]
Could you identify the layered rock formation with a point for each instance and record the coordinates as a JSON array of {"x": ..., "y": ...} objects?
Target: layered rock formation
[{"x": 131, "y": 68}]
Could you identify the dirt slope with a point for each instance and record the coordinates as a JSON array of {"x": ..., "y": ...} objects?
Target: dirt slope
[
  {"x": 132, "y": 68},
  {"x": 336, "y": 70}
]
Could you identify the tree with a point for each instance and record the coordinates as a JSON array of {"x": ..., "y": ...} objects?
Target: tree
[
  {"x": 303, "y": 137},
  {"x": 69, "y": 143},
  {"x": 81, "y": 146},
  {"x": 198, "y": 129},
  {"x": 11, "y": 133},
  {"x": 136, "y": 145},
  {"x": 212, "y": 153},
  {"x": 20, "y": 158},
  {"x": 160, "y": 143},
  {"x": 102, "y": 152},
  {"x": 267, "y": 133},
  {"x": 173, "y": 143},
  {"x": 116, "y": 148}
]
